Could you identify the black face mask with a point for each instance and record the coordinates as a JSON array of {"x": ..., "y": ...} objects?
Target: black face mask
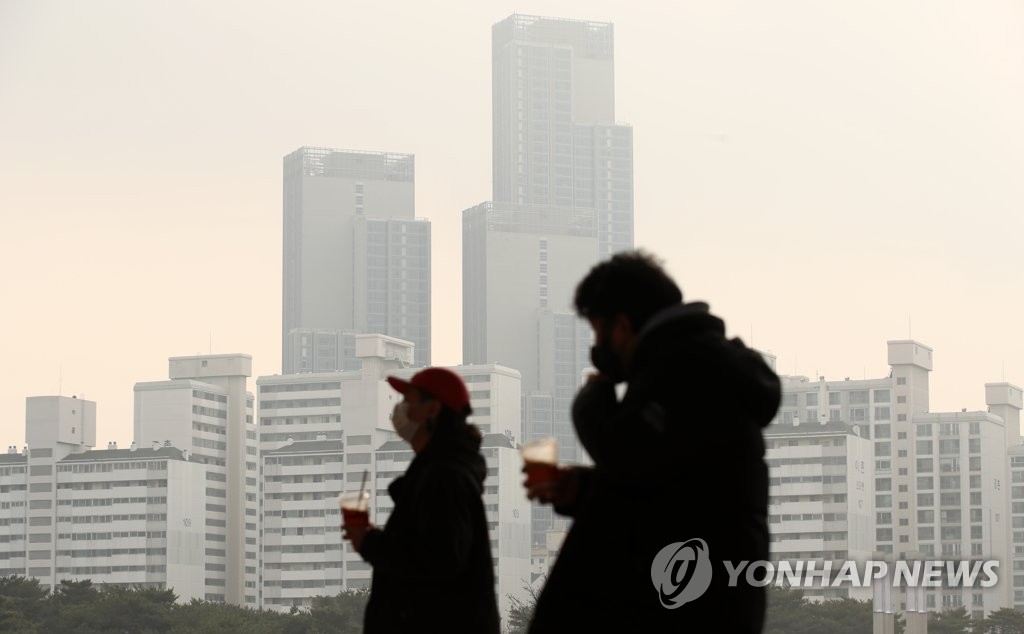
[{"x": 607, "y": 361}]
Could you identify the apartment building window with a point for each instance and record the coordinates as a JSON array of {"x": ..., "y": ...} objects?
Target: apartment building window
[
  {"x": 949, "y": 499},
  {"x": 949, "y": 446},
  {"x": 974, "y": 429},
  {"x": 901, "y": 380},
  {"x": 950, "y": 516},
  {"x": 923, "y": 430}
]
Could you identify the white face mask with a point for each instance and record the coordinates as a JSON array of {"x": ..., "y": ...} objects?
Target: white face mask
[{"x": 405, "y": 426}]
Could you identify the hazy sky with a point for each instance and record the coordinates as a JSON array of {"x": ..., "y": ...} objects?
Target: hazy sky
[{"x": 828, "y": 175}]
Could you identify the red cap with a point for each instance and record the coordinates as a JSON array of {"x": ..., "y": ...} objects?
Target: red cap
[{"x": 441, "y": 383}]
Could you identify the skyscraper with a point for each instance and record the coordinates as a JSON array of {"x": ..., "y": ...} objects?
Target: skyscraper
[
  {"x": 555, "y": 139},
  {"x": 563, "y": 199},
  {"x": 356, "y": 259}
]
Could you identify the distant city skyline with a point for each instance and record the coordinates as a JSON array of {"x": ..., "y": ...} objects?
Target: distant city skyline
[{"x": 828, "y": 177}]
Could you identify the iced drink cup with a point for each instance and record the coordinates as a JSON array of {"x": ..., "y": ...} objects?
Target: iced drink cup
[
  {"x": 540, "y": 459},
  {"x": 355, "y": 509}
]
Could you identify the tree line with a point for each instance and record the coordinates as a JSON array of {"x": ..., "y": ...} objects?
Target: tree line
[{"x": 80, "y": 607}]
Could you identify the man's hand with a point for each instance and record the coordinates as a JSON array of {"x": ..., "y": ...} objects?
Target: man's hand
[
  {"x": 562, "y": 490},
  {"x": 355, "y": 534}
]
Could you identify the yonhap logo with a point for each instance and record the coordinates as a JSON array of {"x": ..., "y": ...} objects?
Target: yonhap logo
[{"x": 681, "y": 572}]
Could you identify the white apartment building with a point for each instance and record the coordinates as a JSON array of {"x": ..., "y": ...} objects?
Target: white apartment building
[
  {"x": 205, "y": 409},
  {"x": 820, "y": 506},
  {"x": 126, "y": 517},
  {"x": 302, "y": 545},
  {"x": 13, "y": 506},
  {"x": 940, "y": 479}
]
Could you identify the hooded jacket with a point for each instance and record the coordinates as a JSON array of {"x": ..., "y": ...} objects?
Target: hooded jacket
[
  {"x": 432, "y": 567},
  {"x": 681, "y": 457}
]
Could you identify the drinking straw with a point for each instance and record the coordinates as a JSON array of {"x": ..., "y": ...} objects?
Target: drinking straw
[{"x": 362, "y": 486}]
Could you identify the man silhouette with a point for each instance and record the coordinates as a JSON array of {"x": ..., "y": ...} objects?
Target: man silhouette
[{"x": 679, "y": 458}]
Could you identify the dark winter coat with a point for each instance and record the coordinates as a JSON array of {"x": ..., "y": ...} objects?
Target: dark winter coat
[
  {"x": 432, "y": 567},
  {"x": 681, "y": 457}
]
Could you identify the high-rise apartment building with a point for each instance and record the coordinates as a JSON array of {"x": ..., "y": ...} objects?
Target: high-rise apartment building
[
  {"x": 563, "y": 200},
  {"x": 206, "y": 409},
  {"x": 940, "y": 482},
  {"x": 119, "y": 517},
  {"x": 820, "y": 506},
  {"x": 555, "y": 138},
  {"x": 356, "y": 259},
  {"x": 302, "y": 546}
]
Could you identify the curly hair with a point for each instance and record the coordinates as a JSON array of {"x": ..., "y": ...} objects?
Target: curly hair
[{"x": 632, "y": 283}]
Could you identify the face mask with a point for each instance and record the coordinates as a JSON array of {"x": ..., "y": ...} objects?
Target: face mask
[{"x": 405, "y": 426}]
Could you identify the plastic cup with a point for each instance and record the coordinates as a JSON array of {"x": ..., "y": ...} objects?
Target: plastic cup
[
  {"x": 355, "y": 509},
  {"x": 540, "y": 459}
]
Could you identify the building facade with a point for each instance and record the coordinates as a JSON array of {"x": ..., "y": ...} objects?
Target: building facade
[
  {"x": 119, "y": 517},
  {"x": 356, "y": 259},
  {"x": 820, "y": 487},
  {"x": 555, "y": 138},
  {"x": 940, "y": 479},
  {"x": 206, "y": 409}
]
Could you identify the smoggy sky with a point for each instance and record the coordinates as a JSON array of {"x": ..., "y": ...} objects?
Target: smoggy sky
[{"x": 828, "y": 175}]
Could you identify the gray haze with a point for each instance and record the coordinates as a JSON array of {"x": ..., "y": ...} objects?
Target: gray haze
[{"x": 827, "y": 175}]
